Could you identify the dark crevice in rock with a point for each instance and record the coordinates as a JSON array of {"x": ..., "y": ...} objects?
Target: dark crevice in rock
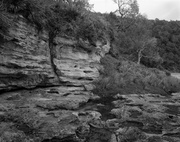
[
  {"x": 18, "y": 75},
  {"x": 65, "y": 139},
  {"x": 172, "y": 135},
  {"x": 52, "y": 55},
  {"x": 27, "y": 89},
  {"x": 11, "y": 65},
  {"x": 14, "y": 40},
  {"x": 25, "y": 128},
  {"x": 66, "y": 94},
  {"x": 134, "y": 124},
  {"x": 85, "y": 78},
  {"x": 12, "y": 90},
  {"x": 104, "y": 106},
  {"x": 53, "y": 91},
  {"x": 172, "y": 109},
  {"x": 87, "y": 71},
  {"x": 52, "y": 109}
]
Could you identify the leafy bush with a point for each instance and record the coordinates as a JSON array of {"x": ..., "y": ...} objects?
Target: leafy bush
[
  {"x": 91, "y": 27},
  {"x": 127, "y": 77},
  {"x": 167, "y": 34}
]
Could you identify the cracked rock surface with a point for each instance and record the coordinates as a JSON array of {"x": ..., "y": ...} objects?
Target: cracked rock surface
[
  {"x": 27, "y": 61},
  {"x": 144, "y": 118},
  {"x": 43, "y": 115},
  {"x": 48, "y": 115}
]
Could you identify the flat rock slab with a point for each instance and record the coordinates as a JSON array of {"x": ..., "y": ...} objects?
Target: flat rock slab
[
  {"x": 139, "y": 118},
  {"x": 71, "y": 102},
  {"x": 44, "y": 114},
  {"x": 158, "y": 117},
  {"x": 58, "y": 113}
]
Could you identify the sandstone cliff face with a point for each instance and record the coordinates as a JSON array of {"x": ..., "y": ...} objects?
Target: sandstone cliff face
[
  {"x": 26, "y": 60},
  {"x": 59, "y": 82}
]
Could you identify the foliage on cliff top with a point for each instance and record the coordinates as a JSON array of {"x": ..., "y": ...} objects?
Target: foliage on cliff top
[{"x": 64, "y": 17}]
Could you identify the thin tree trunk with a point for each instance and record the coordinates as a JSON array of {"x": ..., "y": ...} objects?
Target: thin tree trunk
[
  {"x": 52, "y": 54},
  {"x": 139, "y": 57},
  {"x": 140, "y": 54}
]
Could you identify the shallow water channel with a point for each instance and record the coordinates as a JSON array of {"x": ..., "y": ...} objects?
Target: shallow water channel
[{"x": 153, "y": 114}]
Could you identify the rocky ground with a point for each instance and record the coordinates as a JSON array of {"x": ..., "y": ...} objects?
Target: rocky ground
[
  {"x": 68, "y": 111},
  {"x": 54, "y": 115},
  {"x": 43, "y": 114}
]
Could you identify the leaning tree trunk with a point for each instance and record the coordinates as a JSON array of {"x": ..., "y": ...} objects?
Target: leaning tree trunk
[
  {"x": 140, "y": 54},
  {"x": 52, "y": 54},
  {"x": 139, "y": 57}
]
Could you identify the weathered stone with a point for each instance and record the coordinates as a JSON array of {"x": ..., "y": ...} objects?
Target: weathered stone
[
  {"x": 130, "y": 134},
  {"x": 44, "y": 114},
  {"x": 70, "y": 102},
  {"x": 8, "y": 133},
  {"x": 88, "y": 116},
  {"x": 65, "y": 72},
  {"x": 155, "y": 115},
  {"x": 26, "y": 61}
]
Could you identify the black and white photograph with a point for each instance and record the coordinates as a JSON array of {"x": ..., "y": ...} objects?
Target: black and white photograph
[{"x": 89, "y": 70}]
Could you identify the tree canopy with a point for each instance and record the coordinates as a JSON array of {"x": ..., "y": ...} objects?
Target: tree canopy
[{"x": 127, "y": 8}]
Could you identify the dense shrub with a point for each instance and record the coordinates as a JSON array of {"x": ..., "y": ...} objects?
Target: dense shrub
[
  {"x": 91, "y": 27},
  {"x": 168, "y": 37},
  {"x": 128, "y": 77}
]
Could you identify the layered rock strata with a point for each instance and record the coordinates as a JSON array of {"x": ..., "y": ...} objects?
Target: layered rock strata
[
  {"x": 27, "y": 61},
  {"x": 48, "y": 86}
]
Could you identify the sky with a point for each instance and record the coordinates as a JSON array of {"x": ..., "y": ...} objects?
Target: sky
[{"x": 161, "y": 9}]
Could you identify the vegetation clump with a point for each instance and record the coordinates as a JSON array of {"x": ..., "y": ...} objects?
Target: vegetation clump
[
  {"x": 59, "y": 17},
  {"x": 126, "y": 77}
]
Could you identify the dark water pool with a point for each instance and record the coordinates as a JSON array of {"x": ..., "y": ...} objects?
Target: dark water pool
[{"x": 103, "y": 105}]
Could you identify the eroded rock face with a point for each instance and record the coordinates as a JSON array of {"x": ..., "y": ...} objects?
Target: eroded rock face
[
  {"x": 26, "y": 60},
  {"x": 46, "y": 114},
  {"x": 65, "y": 114},
  {"x": 154, "y": 115},
  {"x": 58, "y": 83}
]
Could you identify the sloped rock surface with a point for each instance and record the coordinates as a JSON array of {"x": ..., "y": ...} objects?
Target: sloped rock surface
[
  {"x": 55, "y": 114},
  {"x": 44, "y": 115},
  {"x": 138, "y": 118},
  {"x": 158, "y": 117}
]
